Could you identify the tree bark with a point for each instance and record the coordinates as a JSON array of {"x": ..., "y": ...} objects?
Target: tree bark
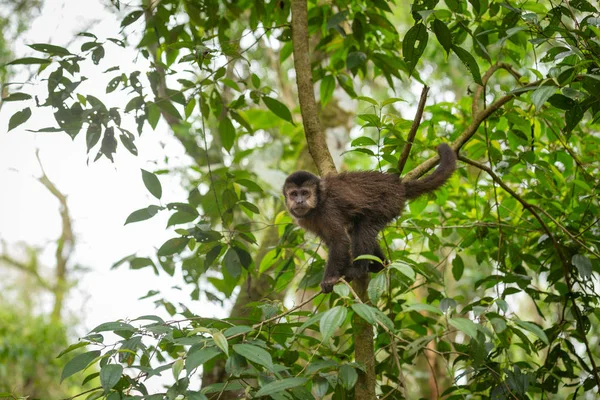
[
  {"x": 315, "y": 136},
  {"x": 317, "y": 146}
]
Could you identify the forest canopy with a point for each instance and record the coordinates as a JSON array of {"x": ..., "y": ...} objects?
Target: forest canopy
[{"x": 491, "y": 290}]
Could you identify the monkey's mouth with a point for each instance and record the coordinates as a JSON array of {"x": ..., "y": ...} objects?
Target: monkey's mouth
[{"x": 300, "y": 211}]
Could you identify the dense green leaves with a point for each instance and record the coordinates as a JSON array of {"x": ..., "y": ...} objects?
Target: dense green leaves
[{"x": 522, "y": 242}]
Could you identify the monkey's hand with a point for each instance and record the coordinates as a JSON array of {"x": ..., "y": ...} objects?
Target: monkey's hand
[{"x": 328, "y": 283}]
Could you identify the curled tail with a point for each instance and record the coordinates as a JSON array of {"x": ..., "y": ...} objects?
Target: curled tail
[{"x": 433, "y": 181}]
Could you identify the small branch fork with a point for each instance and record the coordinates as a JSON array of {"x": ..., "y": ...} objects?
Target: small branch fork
[{"x": 479, "y": 115}]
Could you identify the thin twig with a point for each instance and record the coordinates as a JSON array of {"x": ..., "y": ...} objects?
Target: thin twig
[{"x": 413, "y": 130}]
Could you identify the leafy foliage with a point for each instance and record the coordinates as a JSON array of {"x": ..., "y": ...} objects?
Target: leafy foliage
[{"x": 493, "y": 282}]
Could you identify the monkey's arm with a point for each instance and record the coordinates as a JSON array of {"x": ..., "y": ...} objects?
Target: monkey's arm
[{"x": 338, "y": 243}]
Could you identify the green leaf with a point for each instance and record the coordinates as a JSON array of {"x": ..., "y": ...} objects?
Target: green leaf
[
  {"x": 181, "y": 217},
  {"x": 541, "y": 95},
  {"x": 110, "y": 375},
  {"x": 113, "y": 326},
  {"x": 92, "y": 136},
  {"x": 355, "y": 59},
  {"x": 152, "y": 183},
  {"x": 173, "y": 246},
  {"x": 131, "y": 18},
  {"x": 458, "y": 266},
  {"x": 391, "y": 101},
  {"x": 168, "y": 107},
  {"x": 78, "y": 363},
  {"x": 255, "y": 81},
  {"x": 383, "y": 319},
  {"x": 19, "y": 118},
  {"x": 196, "y": 358},
  {"x": 71, "y": 348},
  {"x": 469, "y": 62},
  {"x": 326, "y": 89},
  {"x": 97, "y": 55},
  {"x": 414, "y": 44},
  {"x": 376, "y": 287},
  {"x": 348, "y": 376},
  {"x": 583, "y": 264},
  {"x": 227, "y": 133},
  {"x": 423, "y": 307},
  {"x": 30, "y": 61},
  {"x": 372, "y": 119},
  {"x": 221, "y": 341},
  {"x": 128, "y": 143},
  {"x": 341, "y": 290},
  {"x": 250, "y": 185},
  {"x": 17, "y": 96},
  {"x": 280, "y": 386},
  {"x": 278, "y": 108},
  {"x": 249, "y": 206},
  {"x": 195, "y": 396},
  {"x": 404, "y": 269},
  {"x": 369, "y": 257},
  {"x": 465, "y": 325},
  {"x": 153, "y": 113},
  {"x": 232, "y": 263},
  {"x": 176, "y": 368},
  {"x": 50, "y": 49},
  {"x": 332, "y": 319},
  {"x": 365, "y": 312},
  {"x": 363, "y": 141},
  {"x": 237, "y": 330},
  {"x": 142, "y": 214},
  {"x": 533, "y": 328},
  {"x": 254, "y": 354},
  {"x": 443, "y": 34}
]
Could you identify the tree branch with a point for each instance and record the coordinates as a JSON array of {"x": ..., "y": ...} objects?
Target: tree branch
[
  {"x": 64, "y": 246},
  {"x": 486, "y": 77},
  {"x": 413, "y": 130},
  {"x": 364, "y": 351},
  {"x": 315, "y": 136},
  {"x": 467, "y": 134}
]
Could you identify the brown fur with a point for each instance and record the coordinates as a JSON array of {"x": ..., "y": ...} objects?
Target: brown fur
[{"x": 348, "y": 210}]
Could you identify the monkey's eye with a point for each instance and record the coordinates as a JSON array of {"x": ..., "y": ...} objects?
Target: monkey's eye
[
  {"x": 293, "y": 193},
  {"x": 304, "y": 193}
]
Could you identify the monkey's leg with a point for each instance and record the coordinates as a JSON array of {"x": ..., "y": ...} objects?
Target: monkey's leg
[
  {"x": 339, "y": 259},
  {"x": 374, "y": 266},
  {"x": 364, "y": 241}
]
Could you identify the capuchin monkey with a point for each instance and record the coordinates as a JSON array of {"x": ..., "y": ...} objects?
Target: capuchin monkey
[{"x": 348, "y": 210}]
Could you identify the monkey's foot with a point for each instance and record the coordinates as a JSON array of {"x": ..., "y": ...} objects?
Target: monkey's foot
[{"x": 328, "y": 283}]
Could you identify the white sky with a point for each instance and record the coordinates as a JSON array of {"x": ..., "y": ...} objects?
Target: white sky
[{"x": 100, "y": 195}]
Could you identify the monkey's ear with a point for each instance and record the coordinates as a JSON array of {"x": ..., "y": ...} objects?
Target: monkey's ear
[{"x": 322, "y": 186}]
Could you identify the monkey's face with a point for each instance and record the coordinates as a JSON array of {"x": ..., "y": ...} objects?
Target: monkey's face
[{"x": 300, "y": 200}]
